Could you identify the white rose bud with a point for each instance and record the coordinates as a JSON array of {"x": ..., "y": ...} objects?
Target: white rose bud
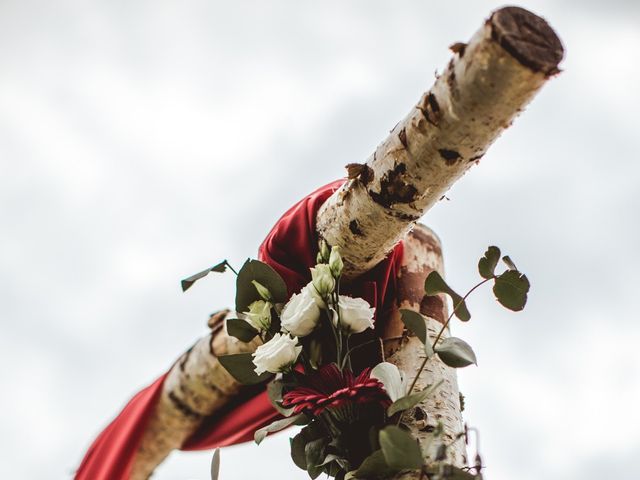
[
  {"x": 323, "y": 254},
  {"x": 259, "y": 314},
  {"x": 323, "y": 280},
  {"x": 356, "y": 315},
  {"x": 277, "y": 355},
  {"x": 263, "y": 291},
  {"x": 335, "y": 262},
  {"x": 301, "y": 314}
]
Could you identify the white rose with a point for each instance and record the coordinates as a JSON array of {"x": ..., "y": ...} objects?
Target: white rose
[
  {"x": 301, "y": 314},
  {"x": 259, "y": 314},
  {"x": 277, "y": 355},
  {"x": 356, "y": 315}
]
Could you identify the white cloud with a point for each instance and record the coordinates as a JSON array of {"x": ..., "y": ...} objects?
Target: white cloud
[{"x": 140, "y": 143}]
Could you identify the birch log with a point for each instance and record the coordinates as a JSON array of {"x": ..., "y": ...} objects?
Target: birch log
[
  {"x": 423, "y": 254},
  {"x": 196, "y": 387},
  {"x": 485, "y": 85}
]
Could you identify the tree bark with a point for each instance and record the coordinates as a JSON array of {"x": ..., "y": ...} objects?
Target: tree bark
[
  {"x": 485, "y": 85},
  {"x": 423, "y": 254},
  {"x": 197, "y": 386}
]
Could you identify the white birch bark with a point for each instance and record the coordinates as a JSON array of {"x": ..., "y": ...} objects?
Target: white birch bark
[
  {"x": 486, "y": 84},
  {"x": 196, "y": 386},
  {"x": 423, "y": 254}
]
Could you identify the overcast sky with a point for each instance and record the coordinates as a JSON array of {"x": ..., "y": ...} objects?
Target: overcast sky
[{"x": 141, "y": 141}]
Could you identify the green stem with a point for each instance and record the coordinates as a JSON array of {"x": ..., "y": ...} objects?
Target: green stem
[
  {"x": 444, "y": 327},
  {"x": 347, "y": 357},
  {"x": 446, "y": 324},
  {"x": 231, "y": 268},
  {"x": 335, "y": 336}
]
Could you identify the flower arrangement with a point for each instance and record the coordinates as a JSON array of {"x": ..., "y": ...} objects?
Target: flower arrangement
[{"x": 353, "y": 420}]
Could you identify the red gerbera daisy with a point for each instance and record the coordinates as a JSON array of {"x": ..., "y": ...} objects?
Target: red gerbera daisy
[{"x": 329, "y": 388}]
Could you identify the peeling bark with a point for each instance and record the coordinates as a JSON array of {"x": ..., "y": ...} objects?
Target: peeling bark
[
  {"x": 422, "y": 255},
  {"x": 485, "y": 86}
]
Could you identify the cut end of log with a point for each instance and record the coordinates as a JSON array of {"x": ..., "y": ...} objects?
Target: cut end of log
[{"x": 528, "y": 38}]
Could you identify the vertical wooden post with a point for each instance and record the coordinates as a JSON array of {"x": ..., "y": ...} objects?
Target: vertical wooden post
[{"x": 422, "y": 255}]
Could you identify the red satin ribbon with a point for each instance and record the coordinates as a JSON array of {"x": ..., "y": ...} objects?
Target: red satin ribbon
[{"x": 290, "y": 248}]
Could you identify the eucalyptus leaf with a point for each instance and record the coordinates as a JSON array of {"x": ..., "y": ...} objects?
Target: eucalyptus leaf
[
  {"x": 401, "y": 451},
  {"x": 297, "y": 451},
  {"x": 330, "y": 458},
  {"x": 487, "y": 264},
  {"x": 374, "y": 466},
  {"x": 215, "y": 464},
  {"x": 412, "y": 400},
  {"x": 435, "y": 284},
  {"x": 241, "y": 329},
  {"x": 455, "y": 352},
  {"x": 188, "y": 282},
  {"x": 314, "y": 453},
  {"x": 511, "y": 289},
  {"x": 274, "y": 392},
  {"x": 509, "y": 263},
  {"x": 241, "y": 367},
  {"x": 417, "y": 324},
  {"x": 389, "y": 375},
  {"x": 276, "y": 426},
  {"x": 246, "y": 292}
]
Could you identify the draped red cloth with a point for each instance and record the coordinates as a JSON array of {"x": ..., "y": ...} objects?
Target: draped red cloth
[{"x": 290, "y": 248}]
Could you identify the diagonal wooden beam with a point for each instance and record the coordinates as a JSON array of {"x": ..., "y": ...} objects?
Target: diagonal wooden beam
[{"x": 486, "y": 84}]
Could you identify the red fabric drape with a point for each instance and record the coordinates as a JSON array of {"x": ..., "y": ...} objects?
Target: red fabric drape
[{"x": 290, "y": 248}]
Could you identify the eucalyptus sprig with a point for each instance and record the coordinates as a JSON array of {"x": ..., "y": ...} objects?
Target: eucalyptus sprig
[{"x": 510, "y": 289}]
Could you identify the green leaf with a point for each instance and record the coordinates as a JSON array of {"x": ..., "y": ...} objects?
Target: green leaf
[
  {"x": 314, "y": 453},
  {"x": 391, "y": 380},
  {"x": 511, "y": 290},
  {"x": 215, "y": 464},
  {"x": 435, "y": 284},
  {"x": 509, "y": 263},
  {"x": 374, "y": 466},
  {"x": 246, "y": 292},
  {"x": 330, "y": 458},
  {"x": 412, "y": 400},
  {"x": 241, "y": 367},
  {"x": 401, "y": 451},
  {"x": 417, "y": 324},
  {"x": 487, "y": 264},
  {"x": 274, "y": 392},
  {"x": 313, "y": 431},
  {"x": 241, "y": 329},
  {"x": 276, "y": 426},
  {"x": 456, "y": 353},
  {"x": 297, "y": 451},
  {"x": 188, "y": 282}
]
